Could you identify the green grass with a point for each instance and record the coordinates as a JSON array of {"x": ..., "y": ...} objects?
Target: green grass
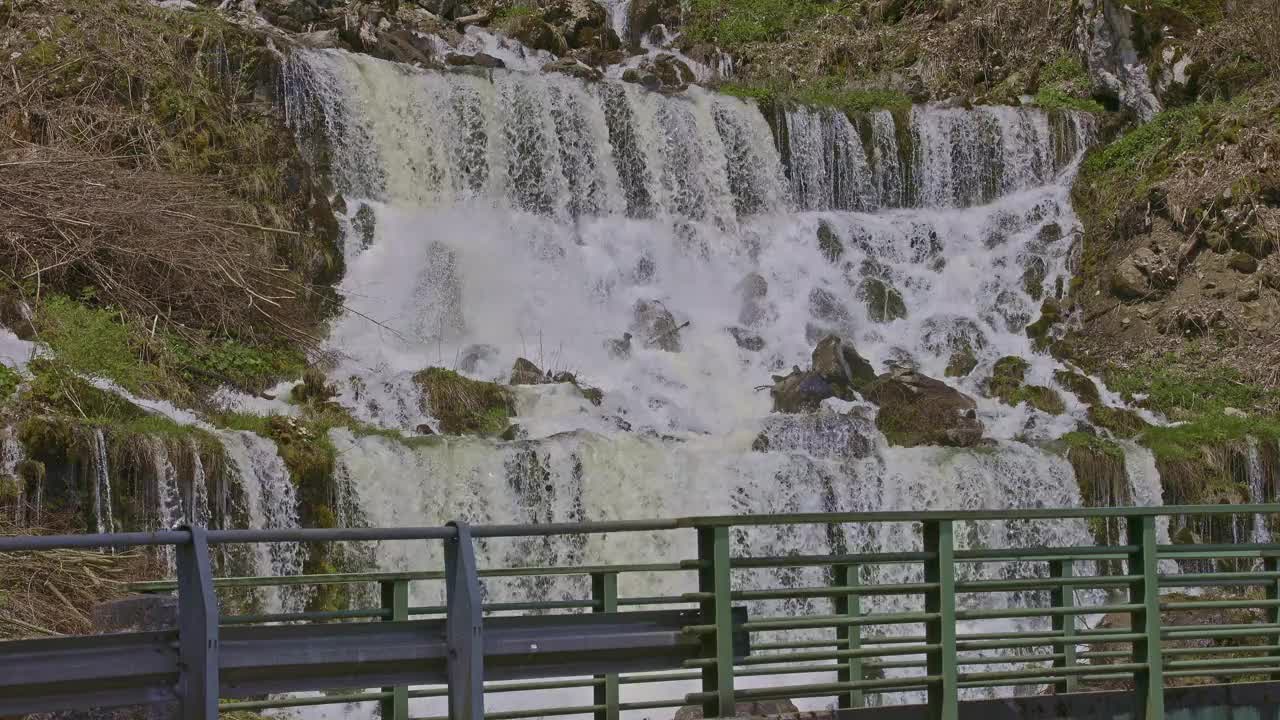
[
  {"x": 1185, "y": 442},
  {"x": 9, "y": 381},
  {"x": 828, "y": 92},
  {"x": 1186, "y": 385},
  {"x": 463, "y": 405},
  {"x": 1054, "y": 98},
  {"x": 95, "y": 342},
  {"x": 1086, "y": 441},
  {"x": 736, "y": 22}
]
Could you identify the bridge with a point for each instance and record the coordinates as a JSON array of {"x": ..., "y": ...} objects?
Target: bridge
[{"x": 739, "y": 639}]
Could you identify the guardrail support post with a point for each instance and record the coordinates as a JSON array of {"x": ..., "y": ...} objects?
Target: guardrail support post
[
  {"x": 197, "y": 629},
  {"x": 714, "y": 577},
  {"x": 395, "y": 598},
  {"x": 1149, "y": 683},
  {"x": 1271, "y": 563},
  {"x": 944, "y": 693},
  {"x": 604, "y": 591},
  {"x": 464, "y": 626},
  {"x": 1064, "y": 596},
  {"x": 849, "y": 637}
]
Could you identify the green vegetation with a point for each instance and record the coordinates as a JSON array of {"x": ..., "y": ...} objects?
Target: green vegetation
[
  {"x": 9, "y": 381},
  {"x": 828, "y": 92},
  {"x": 465, "y": 406},
  {"x": 1064, "y": 85},
  {"x": 734, "y": 22},
  {"x": 1187, "y": 441},
  {"x": 97, "y": 342},
  {"x": 1078, "y": 384},
  {"x": 1188, "y": 385},
  {"x": 1122, "y": 422},
  {"x": 1008, "y": 384}
]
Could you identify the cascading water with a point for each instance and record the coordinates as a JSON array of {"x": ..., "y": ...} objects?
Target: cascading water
[
  {"x": 272, "y": 502},
  {"x": 540, "y": 216},
  {"x": 102, "y": 485}
]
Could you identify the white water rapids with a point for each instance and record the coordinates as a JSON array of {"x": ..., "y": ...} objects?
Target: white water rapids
[{"x": 527, "y": 215}]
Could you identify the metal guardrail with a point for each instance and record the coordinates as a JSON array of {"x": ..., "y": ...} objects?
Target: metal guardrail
[{"x": 465, "y": 653}]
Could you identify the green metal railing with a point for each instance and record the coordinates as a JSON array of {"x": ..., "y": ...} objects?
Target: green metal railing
[{"x": 935, "y": 645}]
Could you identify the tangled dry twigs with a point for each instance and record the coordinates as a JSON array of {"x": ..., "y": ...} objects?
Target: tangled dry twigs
[
  {"x": 154, "y": 244},
  {"x": 52, "y": 593}
]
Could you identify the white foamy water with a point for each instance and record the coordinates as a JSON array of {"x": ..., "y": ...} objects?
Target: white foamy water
[{"x": 529, "y": 216}]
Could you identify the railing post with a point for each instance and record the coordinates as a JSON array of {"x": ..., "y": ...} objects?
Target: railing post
[
  {"x": 944, "y": 693},
  {"x": 395, "y": 599},
  {"x": 849, "y": 637},
  {"x": 464, "y": 626},
  {"x": 714, "y": 577},
  {"x": 1149, "y": 683},
  {"x": 1064, "y": 596},
  {"x": 197, "y": 629},
  {"x": 604, "y": 592},
  {"x": 1271, "y": 563}
]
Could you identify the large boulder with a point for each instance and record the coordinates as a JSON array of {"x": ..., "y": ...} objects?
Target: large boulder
[
  {"x": 840, "y": 364},
  {"x": 524, "y": 372},
  {"x": 644, "y": 15},
  {"x": 663, "y": 73},
  {"x": 582, "y": 23},
  {"x": 800, "y": 392},
  {"x": 534, "y": 33},
  {"x": 656, "y": 326},
  {"x": 918, "y": 410}
]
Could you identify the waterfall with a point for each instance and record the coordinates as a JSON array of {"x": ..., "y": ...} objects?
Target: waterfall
[
  {"x": 536, "y": 215},
  {"x": 1257, "y": 491},
  {"x": 11, "y": 454},
  {"x": 102, "y": 485},
  {"x": 272, "y": 503}
]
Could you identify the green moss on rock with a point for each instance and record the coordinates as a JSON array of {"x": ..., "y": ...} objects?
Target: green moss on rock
[
  {"x": 1083, "y": 387},
  {"x": 465, "y": 406},
  {"x": 1122, "y": 423}
]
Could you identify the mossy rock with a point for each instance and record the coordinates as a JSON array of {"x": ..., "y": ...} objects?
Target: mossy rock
[
  {"x": 1121, "y": 422},
  {"x": 1080, "y": 385},
  {"x": 884, "y": 302},
  {"x": 465, "y": 406},
  {"x": 1038, "y": 331},
  {"x": 919, "y": 410},
  {"x": 829, "y": 243},
  {"x": 961, "y": 363},
  {"x": 1007, "y": 384}
]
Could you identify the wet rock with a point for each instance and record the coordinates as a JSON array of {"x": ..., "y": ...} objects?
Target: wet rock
[
  {"x": 483, "y": 60},
  {"x": 1050, "y": 233},
  {"x": 961, "y": 363},
  {"x": 671, "y": 73},
  {"x": 1115, "y": 69},
  {"x": 1033, "y": 276},
  {"x": 582, "y": 23},
  {"x": 1080, "y": 385},
  {"x": 513, "y": 433},
  {"x": 657, "y": 326},
  {"x": 1040, "y": 330},
  {"x": 918, "y": 410},
  {"x": 822, "y": 434},
  {"x": 424, "y": 429},
  {"x": 363, "y": 223},
  {"x": 534, "y": 33},
  {"x": 1243, "y": 263},
  {"x": 474, "y": 355},
  {"x": 619, "y": 348},
  {"x": 944, "y": 335},
  {"x": 839, "y": 364},
  {"x": 752, "y": 289},
  {"x": 524, "y": 372},
  {"x": 746, "y": 339},
  {"x": 1008, "y": 384},
  {"x": 829, "y": 243},
  {"x": 825, "y": 306},
  {"x": 801, "y": 391},
  {"x": 884, "y": 302},
  {"x": 572, "y": 68},
  {"x": 644, "y": 15}
]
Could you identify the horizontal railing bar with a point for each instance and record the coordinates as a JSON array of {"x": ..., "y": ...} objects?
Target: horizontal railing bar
[
  {"x": 807, "y": 657},
  {"x": 1063, "y": 671},
  {"x": 652, "y": 704},
  {"x": 1221, "y": 662},
  {"x": 1218, "y": 649},
  {"x": 1221, "y": 671},
  {"x": 1045, "y": 583},
  {"x": 1177, "y": 580},
  {"x": 823, "y": 621},
  {"x": 294, "y": 617},
  {"x": 1039, "y": 612},
  {"x": 1046, "y": 553},
  {"x": 1212, "y": 604},
  {"x": 1040, "y": 680},
  {"x": 25, "y": 543},
  {"x": 1054, "y": 641},
  {"x": 903, "y": 558},
  {"x": 821, "y": 592},
  {"x": 590, "y": 528},
  {"x": 975, "y": 515},
  {"x": 817, "y": 690},
  {"x": 659, "y": 677}
]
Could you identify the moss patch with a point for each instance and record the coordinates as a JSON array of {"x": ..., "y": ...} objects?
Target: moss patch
[
  {"x": 1008, "y": 384},
  {"x": 1121, "y": 422},
  {"x": 465, "y": 406},
  {"x": 827, "y": 92}
]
